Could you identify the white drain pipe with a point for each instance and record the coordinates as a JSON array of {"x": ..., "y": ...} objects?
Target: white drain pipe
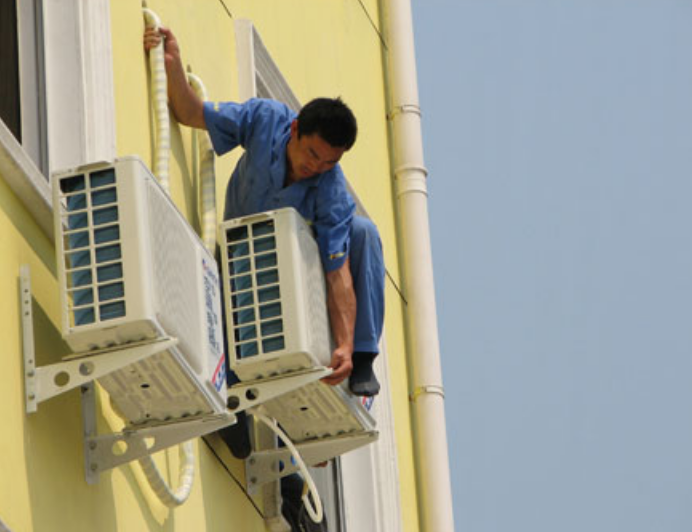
[
  {"x": 207, "y": 175},
  {"x": 427, "y": 394},
  {"x": 159, "y": 98},
  {"x": 159, "y": 95}
]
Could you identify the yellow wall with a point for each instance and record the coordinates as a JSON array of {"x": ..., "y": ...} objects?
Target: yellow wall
[
  {"x": 322, "y": 48},
  {"x": 41, "y": 455}
]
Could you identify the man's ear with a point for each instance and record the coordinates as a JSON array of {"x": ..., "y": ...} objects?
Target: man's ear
[{"x": 294, "y": 128}]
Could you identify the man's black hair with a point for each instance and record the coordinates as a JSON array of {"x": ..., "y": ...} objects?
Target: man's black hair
[{"x": 331, "y": 119}]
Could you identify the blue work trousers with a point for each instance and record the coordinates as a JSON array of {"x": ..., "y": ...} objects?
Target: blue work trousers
[{"x": 367, "y": 270}]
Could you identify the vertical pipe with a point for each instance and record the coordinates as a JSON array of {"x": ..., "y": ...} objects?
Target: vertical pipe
[{"x": 427, "y": 395}]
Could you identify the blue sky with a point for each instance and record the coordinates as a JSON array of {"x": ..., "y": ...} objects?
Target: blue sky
[{"x": 558, "y": 137}]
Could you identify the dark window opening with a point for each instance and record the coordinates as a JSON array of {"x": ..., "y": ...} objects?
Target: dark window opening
[{"x": 9, "y": 69}]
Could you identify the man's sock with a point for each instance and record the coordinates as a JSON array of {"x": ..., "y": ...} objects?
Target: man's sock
[{"x": 363, "y": 380}]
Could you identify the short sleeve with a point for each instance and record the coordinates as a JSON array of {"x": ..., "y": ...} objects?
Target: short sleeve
[
  {"x": 334, "y": 214},
  {"x": 228, "y": 124},
  {"x": 254, "y": 123}
]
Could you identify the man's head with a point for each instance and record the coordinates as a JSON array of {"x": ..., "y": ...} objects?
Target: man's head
[
  {"x": 331, "y": 119},
  {"x": 324, "y": 130}
]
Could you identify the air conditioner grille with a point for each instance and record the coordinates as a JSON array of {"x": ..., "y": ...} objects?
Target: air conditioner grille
[
  {"x": 255, "y": 296},
  {"x": 92, "y": 250}
]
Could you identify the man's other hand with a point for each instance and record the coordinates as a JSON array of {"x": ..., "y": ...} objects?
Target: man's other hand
[
  {"x": 342, "y": 364},
  {"x": 152, "y": 38}
]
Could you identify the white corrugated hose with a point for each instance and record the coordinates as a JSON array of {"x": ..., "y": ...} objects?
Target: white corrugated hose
[
  {"x": 168, "y": 496},
  {"x": 159, "y": 95},
  {"x": 207, "y": 176},
  {"x": 315, "y": 512}
]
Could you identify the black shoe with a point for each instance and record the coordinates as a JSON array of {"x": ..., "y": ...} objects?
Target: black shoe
[
  {"x": 363, "y": 380},
  {"x": 237, "y": 437}
]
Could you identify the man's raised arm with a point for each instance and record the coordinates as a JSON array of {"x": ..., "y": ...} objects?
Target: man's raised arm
[{"x": 187, "y": 107}]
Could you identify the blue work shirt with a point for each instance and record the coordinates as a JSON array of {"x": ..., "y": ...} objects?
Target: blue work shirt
[{"x": 263, "y": 128}]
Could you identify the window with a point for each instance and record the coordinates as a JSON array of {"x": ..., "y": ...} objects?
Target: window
[
  {"x": 55, "y": 77},
  {"x": 22, "y": 76},
  {"x": 366, "y": 477},
  {"x": 260, "y": 77},
  {"x": 258, "y": 74},
  {"x": 9, "y": 69}
]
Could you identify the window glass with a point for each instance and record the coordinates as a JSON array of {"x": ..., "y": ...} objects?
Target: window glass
[{"x": 9, "y": 69}]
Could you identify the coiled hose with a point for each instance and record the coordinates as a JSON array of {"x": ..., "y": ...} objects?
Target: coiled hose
[
  {"x": 315, "y": 512},
  {"x": 159, "y": 96}
]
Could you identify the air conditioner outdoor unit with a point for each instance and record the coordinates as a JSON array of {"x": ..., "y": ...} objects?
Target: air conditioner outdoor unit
[
  {"x": 277, "y": 321},
  {"x": 132, "y": 270}
]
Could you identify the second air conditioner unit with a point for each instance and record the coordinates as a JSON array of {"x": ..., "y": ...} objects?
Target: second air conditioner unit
[
  {"x": 277, "y": 321},
  {"x": 275, "y": 292},
  {"x": 132, "y": 270}
]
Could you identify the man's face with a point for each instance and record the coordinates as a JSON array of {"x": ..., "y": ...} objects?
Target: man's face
[{"x": 310, "y": 155}]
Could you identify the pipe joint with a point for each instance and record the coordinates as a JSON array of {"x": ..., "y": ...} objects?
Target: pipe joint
[
  {"x": 433, "y": 389},
  {"x": 411, "y": 185},
  {"x": 407, "y": 108},
  {"x": 404, "y": 168}
]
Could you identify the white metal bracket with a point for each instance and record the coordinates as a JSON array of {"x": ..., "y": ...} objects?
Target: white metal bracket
[
  {"x": 111, "y": 450},
  {"x": 44, "y": 382},
  {"x": 246, "y": 395},
  {"x": 104, "y": 452},
  {"x": 266, "y": 466}
]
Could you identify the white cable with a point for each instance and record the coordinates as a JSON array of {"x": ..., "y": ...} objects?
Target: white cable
[
  {"x": 159, "y": 96},
  {"x": 207, "y": 176},
  {"x": 315, "y": 513},
  {"x": 187, "y": 474}
]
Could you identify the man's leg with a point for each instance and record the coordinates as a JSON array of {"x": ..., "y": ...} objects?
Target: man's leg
[{"x": 367, "y": 269}]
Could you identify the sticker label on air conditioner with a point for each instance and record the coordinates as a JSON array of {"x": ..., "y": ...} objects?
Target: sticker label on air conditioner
[
  {"x": 367, "y": 402},
  {"x": 212, "y": 306},
  {"x": 219, "y": 378}
]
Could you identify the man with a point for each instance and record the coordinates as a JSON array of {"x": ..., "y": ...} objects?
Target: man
[{"x": 293, "y": 161}]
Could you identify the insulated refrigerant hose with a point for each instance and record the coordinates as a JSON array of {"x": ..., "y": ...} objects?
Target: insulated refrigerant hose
[
  {"x": 159, "y": 98},
  {"x": 315, "y": 512},
  {"x": 207, "y": 176},
  {"x": 159, "y": 95}
]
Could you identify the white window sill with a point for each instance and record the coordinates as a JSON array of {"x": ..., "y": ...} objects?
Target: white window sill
[{"x": 27, "y": 182}]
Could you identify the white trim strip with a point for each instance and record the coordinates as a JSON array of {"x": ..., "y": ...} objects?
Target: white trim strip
[{"x": 26, "y": 181}]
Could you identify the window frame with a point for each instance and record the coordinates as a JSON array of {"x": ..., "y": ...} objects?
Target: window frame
[{"x": 73, "y": 91}]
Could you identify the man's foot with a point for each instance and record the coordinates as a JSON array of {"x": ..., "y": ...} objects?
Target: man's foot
[{"x": 363, "y": 380}]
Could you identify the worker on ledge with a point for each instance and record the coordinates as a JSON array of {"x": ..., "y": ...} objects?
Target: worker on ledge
[{"x": 293, "y": 161}]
